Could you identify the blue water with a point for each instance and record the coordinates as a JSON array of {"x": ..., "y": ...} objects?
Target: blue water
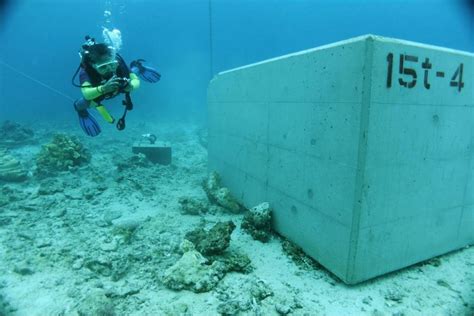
[{"x": 42, "y": 37}]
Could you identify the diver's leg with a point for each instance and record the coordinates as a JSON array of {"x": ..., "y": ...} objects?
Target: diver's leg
[
  {"x": 81, "y": 104},
  {"x": 88, "y": 124}
]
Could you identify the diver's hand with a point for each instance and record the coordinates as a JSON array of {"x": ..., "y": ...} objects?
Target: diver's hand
[
  {"x": 128, "y": 86},
  {"x": 111, "y": 86}
]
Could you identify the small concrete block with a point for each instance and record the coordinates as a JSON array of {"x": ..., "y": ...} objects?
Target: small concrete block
[{"x": 159, "y": 152}]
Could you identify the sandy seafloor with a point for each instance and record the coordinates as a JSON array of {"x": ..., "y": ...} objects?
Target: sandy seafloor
[{"x": 47, "y": 238}]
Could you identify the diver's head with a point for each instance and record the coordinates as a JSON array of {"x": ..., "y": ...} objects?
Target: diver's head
[{"x": 102, "y": 58}]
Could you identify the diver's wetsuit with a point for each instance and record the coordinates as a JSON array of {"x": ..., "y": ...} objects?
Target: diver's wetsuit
[{"x": 91, "y": 96}]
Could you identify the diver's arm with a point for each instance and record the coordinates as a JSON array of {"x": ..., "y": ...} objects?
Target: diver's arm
[{"x": 90, "y": 93}]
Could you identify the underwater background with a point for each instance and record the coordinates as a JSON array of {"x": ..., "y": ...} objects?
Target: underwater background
[
  {"x": 88, "y": 226},
  {"x": 42, "y": 38}
]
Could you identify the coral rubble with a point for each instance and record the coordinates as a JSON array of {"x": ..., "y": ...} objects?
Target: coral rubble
[
  {"x": 192, "y": 273},
  {"x": 198, "y": 273},
  {"x": 10, "y": 168},
  {"x": 220, "y": 195},
  {"x": 5, "y": 308},
  {"x": 257, "y": 222},
  {"x": 8, "y": 195},
  {"x": 13, "y": 134},
  {"x": 193, "y": 206},
  {"x": 298, "y": 256},
  {"x": 214, "y": 241}
]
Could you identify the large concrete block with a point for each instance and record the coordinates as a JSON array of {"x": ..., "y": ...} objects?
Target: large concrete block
[{"x": 364, "y": 149}]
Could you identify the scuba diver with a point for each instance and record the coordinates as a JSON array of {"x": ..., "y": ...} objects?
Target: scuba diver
[{"x": 103, "y": 74}]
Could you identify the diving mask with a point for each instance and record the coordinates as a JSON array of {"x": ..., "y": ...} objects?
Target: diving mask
[{"x": 107, "y": 66}]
